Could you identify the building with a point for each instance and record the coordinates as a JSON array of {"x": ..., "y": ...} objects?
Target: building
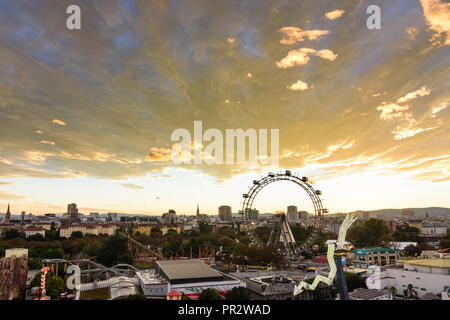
[
  {"x": 112, "y": 216},
  {"x": 416, "y": 223},
  {"x": 144, "y": 228},
  {"x": 169, "y": 217},
  {"x": 252, "y": 214},
  {"x": 370, "y": 294},
  {"x": 191, "y": 276},
  {"x": 94, "y": 215},
  {"x": 225, "y": 213},
  {"x": 292, "y": 214},
  {"x": 303, "y": 215},
  {"x": 425, "y": 276},
  {"x": 72, "y": 211},
  {"x": 151, "y": 283},
  {"x": 16, "y": 252},
  {"x": 7, "y": 216},
  {"x": 433, "y": 230},
  {"x": 31, "y": 231},
  {"x": 380, "y": 256},
  {"x": 22, "y": 217},
  {"x": 66, "y": 231}
]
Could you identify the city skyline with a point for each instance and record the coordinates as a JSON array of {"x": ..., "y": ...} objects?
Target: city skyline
[{"x": 87, "y": 115}]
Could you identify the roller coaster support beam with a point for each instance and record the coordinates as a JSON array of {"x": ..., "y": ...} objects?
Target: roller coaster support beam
[{"x": 342, "y": 284}]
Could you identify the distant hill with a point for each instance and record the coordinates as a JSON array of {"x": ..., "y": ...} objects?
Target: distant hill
[{"x": 419, "y": 212}]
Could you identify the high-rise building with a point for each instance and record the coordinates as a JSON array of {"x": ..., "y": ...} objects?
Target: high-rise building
[
  {"x": 169, "y": 217},
  {"x": 72, "y": 211},
  {"x": 303, "y": 215},
  {"x": 8, "y": 215},
  {"x": 112, "y": 216},
  {"x": 252, "y": 214},
  {"x": 94, "y": 215},
  {"x": 292, "y": 214},
  {"x": 22, "y": 217},
  {"x": 225, "y": 213}
]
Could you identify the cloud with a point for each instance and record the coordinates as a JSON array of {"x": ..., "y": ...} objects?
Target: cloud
[
  {"x": 57, "y": 121},
  {"x": 231, "y": 40},
  {"x": 390, "y": 111},
  {"x": 9, "y": 196},
  {"x": 38, "y": 131},
  {"x": 132, "y": 186},
  {"x": 412, "y": 33},
  {"x": 249, "y": 75},
  {"x": 437, "y": 15},
  {"x": 159, "y": 154},
  {"x": 80, "y": 173},
  {"x": 48, "y": 142},
  {"x": 298, "y": 86},
  {"x": 301, "y": 57},
  {"x": 401, "y": 133},
  {"x": 423, "y": 91},
  {"x": 292, "y": 35},
  {"x": 333, "y": 15}
]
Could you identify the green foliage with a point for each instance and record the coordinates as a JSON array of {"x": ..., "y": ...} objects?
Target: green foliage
[
  {"x": 238, "y": 293},
  {"x": 36, "y": 237},
  {"x": 370, "y": 233},
  {"x": 354, "y": 281},
  {"x": 185, "y": 297},
  {"x": 415, "y": 251},
  {"x": 9, "y": 234},
  {"x": 76, "y": 235},
  {"x": 54, "y": 286},
  {"x": 407, "y": 234},
  {"x": 204, "y": 227},
  {"x": 209, "y": 294},
  {"x": 444, "y": 243},
  {"x": 36, "y": 281},
  {"x": 53, "y": 233},
  {"x": 113, "y": 251}
]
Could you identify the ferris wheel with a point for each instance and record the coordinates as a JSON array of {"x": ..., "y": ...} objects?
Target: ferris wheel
[{"x": 303, "y": 182}]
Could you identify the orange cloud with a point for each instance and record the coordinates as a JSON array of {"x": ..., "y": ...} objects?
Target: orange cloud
[
  {"x": 390, "y": 111},
  {"x": 301, "y": 57},
  {"x": 336, "y": 14},
  {"x": 231, "y": 40},
  {"x": 293, "y": 35},
  {"x": 423, "y": 91},
  {"x": 48, "y": 142},
  {"x": 57, "y": 121},
  {"x": 437, "y": 15},
  {"x": 80, "y": 173},
  {"x": 298, "y": 86},
  {"x": 38, "y": 131}
]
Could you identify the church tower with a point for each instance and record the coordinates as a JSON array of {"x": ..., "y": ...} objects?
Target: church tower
[
  {"x": 8, "y": 215},
  {"x": 198, "y": 210}
]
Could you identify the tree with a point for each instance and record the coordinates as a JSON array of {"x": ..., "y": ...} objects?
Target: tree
[
  {"x": 370, "y": 233},
  {"x": 113, "y": 251},
  {"x": 54, "y": 286},
  {"x": 76, "y": 235},
  {"x": 394, "y": 290},
  {"x": 238, "y": 293},
  {"x": 354, "y": 281},
  {"x": 410, "y": 292},
  {"x": 36, "y": 237},
  {"x": 209, "y": 294},
  {"x": 204, "y": 227},
  {"x": 9, "y": 234},
  {"x": 52, "y": 233},
  {"x": 444, "y": 243}
]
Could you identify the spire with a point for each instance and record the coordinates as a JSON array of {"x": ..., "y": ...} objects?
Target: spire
[
  {"x": 8, "y": 215},
  {"x": 198, "y": 210}
]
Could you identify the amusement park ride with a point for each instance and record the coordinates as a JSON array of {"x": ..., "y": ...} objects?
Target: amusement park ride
[{"x": 281, "y": 234}]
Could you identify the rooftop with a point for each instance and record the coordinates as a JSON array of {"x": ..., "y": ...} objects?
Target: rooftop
[
  {"x": 438, "y": 263},
  {"x": 187, "y": 269},
  {"x": 364, "y": 251}
]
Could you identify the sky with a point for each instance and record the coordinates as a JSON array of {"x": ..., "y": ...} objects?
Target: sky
[{"x": 86, "y": 116}]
